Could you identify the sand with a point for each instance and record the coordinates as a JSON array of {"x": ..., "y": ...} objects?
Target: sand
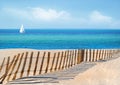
[
  {"x": 12, "y": 52},
  {"x": 107, "y": 73},
  {"x": 27, "y": 66},
  {"x": 103, "y": 73}
]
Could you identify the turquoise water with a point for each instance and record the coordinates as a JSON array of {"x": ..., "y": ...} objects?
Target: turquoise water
[{"x": 60, "y": 39}]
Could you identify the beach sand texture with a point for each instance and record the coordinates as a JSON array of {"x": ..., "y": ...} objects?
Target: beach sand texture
[
  {"x": 27, "y": 63},
  {"x": 33, "y": 62},
  {"x": 106, "y": 73}
]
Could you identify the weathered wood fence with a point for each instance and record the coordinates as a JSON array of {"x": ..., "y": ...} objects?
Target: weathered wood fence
[{"x": 35, "y": 63}]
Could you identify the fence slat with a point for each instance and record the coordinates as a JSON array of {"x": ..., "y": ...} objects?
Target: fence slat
[
  {"x": 10, "y": 65},
  {"x": 86, "y": 58},
  {"x": 30, "y": 62},
  {"x": 93, "y": 51},
  {"x": 40, "y": 71},
  {"x": 90, "y": 56},
  {"x": 48, "y": 60},
  {"x": 36, "y": 63},
  {"x": 67, "y": 59},
  {"x": 2, "y": 64},
  {"x": 53, "y": 62},
  {"x": 14, "y": 77},
  {"x": 6, "y": 70},
  {"x": 78, "y": 57},
  {"x": 69, "y": 64},
  {"x": 60, "y": 61},
  {"x": 75, "y": 57},
  {"x": 57, "y": 61},
  {"x": 72, "y": 58},
  {"x": 13, "y": 67},
  {"x": 24, "y": 64},
  {"x": 82, "y": 56},
  {"x": 63, "y": 66}
]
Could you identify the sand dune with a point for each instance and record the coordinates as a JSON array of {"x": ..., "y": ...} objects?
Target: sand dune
[{"x": 107, "y": 73}]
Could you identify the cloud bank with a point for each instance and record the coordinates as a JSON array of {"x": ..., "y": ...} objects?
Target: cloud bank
[
  {"x": 38, "y": 13},
  {"x": 93, "y": 19}
]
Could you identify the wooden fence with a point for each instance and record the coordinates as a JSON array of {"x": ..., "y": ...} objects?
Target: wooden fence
[{"x": 36, "y": 63}]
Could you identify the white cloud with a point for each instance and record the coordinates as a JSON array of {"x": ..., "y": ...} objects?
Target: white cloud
[
  {"x": 97, "y": 17},
  {"x": 62, "y": 18},
  {"x": 49, "y": 14},
  {"x": 38, "y": 13}
]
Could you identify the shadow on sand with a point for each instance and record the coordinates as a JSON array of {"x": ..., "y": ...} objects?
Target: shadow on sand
[{"x": 55, "y": 77}]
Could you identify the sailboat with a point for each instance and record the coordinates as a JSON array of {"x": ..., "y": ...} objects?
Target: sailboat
[{"x": 22, "y": 29}]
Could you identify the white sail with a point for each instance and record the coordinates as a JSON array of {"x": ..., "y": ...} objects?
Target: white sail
[{"x": 22, "y": 29}]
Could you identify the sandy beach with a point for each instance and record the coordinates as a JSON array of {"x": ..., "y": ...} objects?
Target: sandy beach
[
  {"x": 28, "y": 62},
  {"x": 96, "y": 73},
  {"x": 12, "y": 52},
  {"x": 105, "y": 73}
]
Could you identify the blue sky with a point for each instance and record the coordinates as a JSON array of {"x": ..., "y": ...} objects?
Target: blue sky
[{"x": 60, "y": 14}]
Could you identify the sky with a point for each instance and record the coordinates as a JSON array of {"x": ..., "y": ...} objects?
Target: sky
[{"x": 98, "y": 14}]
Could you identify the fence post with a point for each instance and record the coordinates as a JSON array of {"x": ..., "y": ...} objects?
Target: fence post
[{"x": 80, "y": 56}]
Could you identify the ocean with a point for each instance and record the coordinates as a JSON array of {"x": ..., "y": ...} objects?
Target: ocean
[{"x": 60, "y": 39}]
